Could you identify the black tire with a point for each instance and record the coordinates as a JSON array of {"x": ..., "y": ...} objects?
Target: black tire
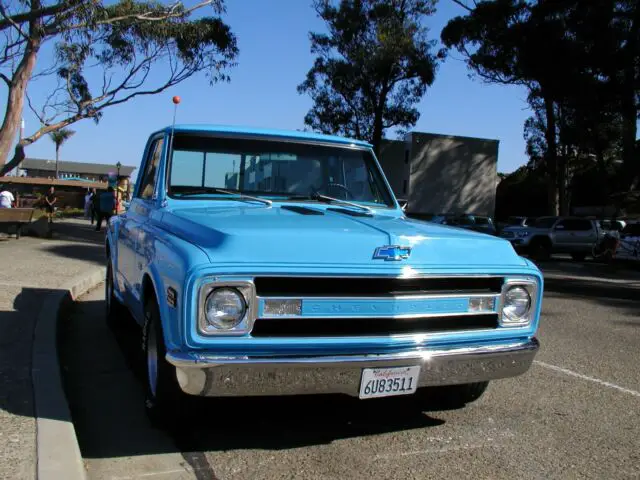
[
  {"x": 451, "y": 396},
  {"x": 540, "y": 249},
  {"x": 164, "y": 398},
  {"x": 115, "y": 311},
  {"x": 579, "y": 257}
]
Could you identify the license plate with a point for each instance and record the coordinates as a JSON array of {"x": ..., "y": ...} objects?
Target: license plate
[{"x": 386, "y": 382}]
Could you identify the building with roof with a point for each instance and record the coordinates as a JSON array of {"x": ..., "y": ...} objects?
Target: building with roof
[
  {"x": 441, "y": 174},
  {"x": 92, "y": 172}
]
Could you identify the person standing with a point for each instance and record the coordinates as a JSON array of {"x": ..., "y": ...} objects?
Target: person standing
[
  {"x": 87, "y": 204},
  {"x": 50, "y": 200},
  {"x": 6, "y": 199},
  {"x": 95, "y": 205},
  {"x": 107, "y": 205}
]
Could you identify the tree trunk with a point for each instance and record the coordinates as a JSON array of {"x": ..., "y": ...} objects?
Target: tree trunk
[
  {"x": 629, "y": 107},
  {"x": 57, "y": 155},
  {"x": 551, "y": 157},
  {"x": 562, "y": 163},
  {"x": 629, "y": 131},
  {"x": 18, "y": 86},
  {"x": 376, "y": 141}
]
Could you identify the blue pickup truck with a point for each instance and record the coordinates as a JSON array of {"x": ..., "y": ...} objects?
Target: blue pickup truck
[{"x": 263, "y": 262}]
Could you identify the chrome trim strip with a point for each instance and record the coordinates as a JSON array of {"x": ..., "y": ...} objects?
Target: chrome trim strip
[
  {"x": 399, "y": 298},
  {"x": 404, "y": 316},
  {"x": 383, "y": 297},
  {"x": 384, "y": 275},
  {"x": 215, "y": 375}
]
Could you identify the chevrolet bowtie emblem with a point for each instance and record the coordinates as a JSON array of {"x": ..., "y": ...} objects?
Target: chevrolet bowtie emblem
[{"x": 391, "y": 252}]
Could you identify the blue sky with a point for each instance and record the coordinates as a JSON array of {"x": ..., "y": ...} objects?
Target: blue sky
[{"x": 274, "y": 58}]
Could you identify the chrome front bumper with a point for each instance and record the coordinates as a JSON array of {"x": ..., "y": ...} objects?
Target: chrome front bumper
[{"x": 218, "y": 376}]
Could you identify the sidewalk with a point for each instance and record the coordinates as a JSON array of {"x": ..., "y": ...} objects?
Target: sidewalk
[{"x": 32, "y": 268}]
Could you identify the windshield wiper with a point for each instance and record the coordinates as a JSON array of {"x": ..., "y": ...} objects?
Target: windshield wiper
[
  {"x": 242, "y": 196},
  {"x": 326, "y": 199}
]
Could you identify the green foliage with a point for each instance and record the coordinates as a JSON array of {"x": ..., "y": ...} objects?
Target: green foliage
[
  {"x": 60, "y": 136},
  {"x": 106, "y": 53},
  {"x": 371, "y": 68},
  {"x": 578, "y": 61},
  {"x": 521, "y": 193}
]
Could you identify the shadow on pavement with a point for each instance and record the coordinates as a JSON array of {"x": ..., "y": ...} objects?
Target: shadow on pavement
[
  {"x": 16, "y": 342},
  {"x": 619, "y": 296},
  {"x": 78, "y": 231},
  {"x": 92, "y": 253},
  {"x": 104, "y": 372}
]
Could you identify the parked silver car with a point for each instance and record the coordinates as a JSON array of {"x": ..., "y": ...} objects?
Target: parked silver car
[{"x": 548, "y": 235}]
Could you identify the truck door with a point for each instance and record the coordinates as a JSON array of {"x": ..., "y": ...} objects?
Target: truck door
[
  {"x": 129, "y": 236},
  {"x": 585, "y": 234},
  {"x": 563, "y": 235}
]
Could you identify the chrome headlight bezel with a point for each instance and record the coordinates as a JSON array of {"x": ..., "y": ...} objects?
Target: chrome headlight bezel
[
  {"x": 247, "y": 290},
  {"x": 531, "y": 287}
]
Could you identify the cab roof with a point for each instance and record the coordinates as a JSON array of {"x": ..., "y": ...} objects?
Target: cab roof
[{"x": 263, "y": 132}]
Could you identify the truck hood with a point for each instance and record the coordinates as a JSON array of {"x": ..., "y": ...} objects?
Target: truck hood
[{"x": 314, "y": 235}]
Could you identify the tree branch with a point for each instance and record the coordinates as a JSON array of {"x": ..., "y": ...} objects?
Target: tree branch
[
  {"x": 12, "y": 23},
  {"x": 463, "y": 5},
  {"x": 20, "y": 18},
  {"x": 144, "y": 17},
  {"x": 6, "y": 79}
]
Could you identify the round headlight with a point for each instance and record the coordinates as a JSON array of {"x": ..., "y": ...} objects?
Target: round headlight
[
  {"x": 517, "y": 302},
  {"x": 225, "y": 308}
]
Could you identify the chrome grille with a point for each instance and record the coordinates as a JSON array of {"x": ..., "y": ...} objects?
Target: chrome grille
[{"x": 375, "y": 306}]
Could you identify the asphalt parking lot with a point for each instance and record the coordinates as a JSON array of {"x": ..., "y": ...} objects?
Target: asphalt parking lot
[{"x": 575, "y": 414}]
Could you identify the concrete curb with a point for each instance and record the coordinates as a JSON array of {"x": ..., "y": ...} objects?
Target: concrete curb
[{"x": 57, "y": 450}]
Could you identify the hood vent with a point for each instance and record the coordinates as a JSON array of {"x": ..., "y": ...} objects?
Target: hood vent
[
  {"x": 353, "y": 213},
  {"x": 302, "y": 210}
]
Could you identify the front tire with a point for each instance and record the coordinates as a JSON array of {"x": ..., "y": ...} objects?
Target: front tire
[
  {"x": 540, "y": 249},
  {"x": 451, "y": 396},
  {"x": 164, "y": 398}
]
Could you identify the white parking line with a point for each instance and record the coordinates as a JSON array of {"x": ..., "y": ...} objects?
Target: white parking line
[
  {"x": 588, "y": 378},
  {"x": 154, "y": 474},
  {"x": 446, "y": 449}
]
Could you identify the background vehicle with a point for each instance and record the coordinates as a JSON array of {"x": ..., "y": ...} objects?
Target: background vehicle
[
  {"x": 476, "y": 223},
  {"x": 548, "y": 235},
  {"x": 513, "y": 222},
  {"x": 628, "y": 246}
]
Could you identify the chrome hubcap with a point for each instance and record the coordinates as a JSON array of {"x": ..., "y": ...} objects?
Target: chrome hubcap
[{"x": 152, "y": 360}]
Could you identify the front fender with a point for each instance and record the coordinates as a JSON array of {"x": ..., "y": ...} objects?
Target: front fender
[{"x": 167, "y": 264}]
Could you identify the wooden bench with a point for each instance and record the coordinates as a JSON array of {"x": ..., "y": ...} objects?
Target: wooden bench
[{"x": 16, "y": 217}]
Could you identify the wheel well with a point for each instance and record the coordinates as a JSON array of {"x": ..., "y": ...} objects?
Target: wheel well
[
  {"x": 541, "y": 240},
  {"x": 147, "y": 289}
]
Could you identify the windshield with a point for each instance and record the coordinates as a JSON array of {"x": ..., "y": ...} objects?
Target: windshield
[
  {"x": 275, "y": 168},
  {"x": 516, "y": 221},
  {"x": 543, "y": 222},
  {"x": 482, "y": 221},
  {"x": 633, "y": 229}
]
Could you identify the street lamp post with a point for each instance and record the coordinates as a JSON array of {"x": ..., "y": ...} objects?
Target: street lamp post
[{"x": 118, "y": 165}]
